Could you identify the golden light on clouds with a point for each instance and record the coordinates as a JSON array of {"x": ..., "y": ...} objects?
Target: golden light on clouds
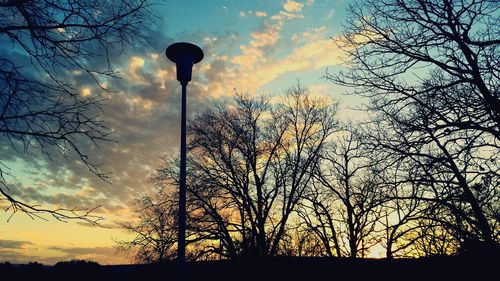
[
  {"x": 260, "y": 14},
  {"x": 136, "y": 62},
  {"x": 136, "y": 65},
  {"x": 139, "y": 104},
  {"x": 255, "y": 70},
  {"x": 314, "y": 34},
  {"x": 293, "y": 6},
  {"x": 162, "y": 76},
  {"x": 86, "y": 92},
  {"x": 256, "y": 65},
  {"x": 266, "y": 38},
  {"x": 147, "y": 104}
]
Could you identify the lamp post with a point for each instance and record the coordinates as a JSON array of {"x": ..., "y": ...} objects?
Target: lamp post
[{"x": 184, "y": 55}]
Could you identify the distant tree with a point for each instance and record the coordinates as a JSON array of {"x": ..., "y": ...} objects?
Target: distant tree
[
  {"x": 344, "y": 206},
  {"x": 300, "y": 241},
  {"x": 155, "y": 231},
  {"x": 430, "y": 69},
  {"x": 41, "y": 44},
  {"x": 433, "y": 240},
  {"x": 79, "y": 265},
  {"x": 401, "y": 218},
  {"x": 77, "y": 268},
  {"x": 249, "y": 166}
]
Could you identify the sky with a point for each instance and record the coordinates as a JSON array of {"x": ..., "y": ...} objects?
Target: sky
[{"x": 255, "y": 47}]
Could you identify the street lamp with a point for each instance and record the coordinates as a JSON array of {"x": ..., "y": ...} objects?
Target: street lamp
[{"x": 184, "y": 55}]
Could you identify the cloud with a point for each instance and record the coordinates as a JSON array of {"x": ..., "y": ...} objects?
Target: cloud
[
  {"x": 53, "y": 254},
  {"x": 134, "y": 70},
  {"x": 310, "y": 56},
  {"x": 14, "y": 256},
  {"x": 102, "y": 255},
  {"x": 251, "y": 12},
  {"x": 257, "y": 65},
  {"x": 293, "y": 6},
  {"x": 286, "y": 15},
  {"x": 143, "y": 112},
  {"x": 330, "y": 14},
  {"x": 86, "y": 92},
  {"x": 13, "y": 244},
  {"x": 314, "y": 34},
  {"x": 84, "y": 251},
  {"x": 260, "y": 14}
]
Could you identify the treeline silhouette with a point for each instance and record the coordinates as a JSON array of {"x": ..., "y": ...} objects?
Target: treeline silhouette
[
  {"x": 283, "y": 176},
  {"x": 276, "y": 268}
]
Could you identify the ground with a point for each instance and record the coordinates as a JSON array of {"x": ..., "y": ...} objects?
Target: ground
[{"x": 290, "y": 269}]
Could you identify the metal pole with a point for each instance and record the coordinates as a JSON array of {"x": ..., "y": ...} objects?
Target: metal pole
[
  {"x": 185, "y": 55},
  {"x": 181, "y": 249}
]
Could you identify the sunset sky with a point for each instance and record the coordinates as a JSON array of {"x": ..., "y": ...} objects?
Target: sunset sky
[{"x": 256, "y": 47}]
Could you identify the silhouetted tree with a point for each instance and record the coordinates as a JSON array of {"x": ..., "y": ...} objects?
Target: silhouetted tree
[
  {"x": 401, "y": 218},
  {"x": 42, "y": 43},
  {"x": 155, "y": 232},
  {"x": 433, "y": 240},
  {"x": 413, "y": 51},
  {"x": 430, "y": 69},
  {"x": 345, "y": 203},
  {"x": 78, "y": 267},
  {"x": 300, "y": 241},
  {"x": 249, "y": 166}
]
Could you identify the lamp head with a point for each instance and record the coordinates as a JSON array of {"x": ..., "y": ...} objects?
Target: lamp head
[{"x": 185, "y": 55}]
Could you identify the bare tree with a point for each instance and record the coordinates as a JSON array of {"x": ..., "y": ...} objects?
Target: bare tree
[
  {"x": 318, "y": 216},
  {"x": 155, "y": 232},
  {"x": 344, "y": 206},
  {"x": 410, "y": 51},
  {"x": 433, "y": 240},
  {"x": 430, "y": 69},
  {"x": 42, "y": 43},
  {"x": 401, "y": 218},
  {"x": 301, "y": 242},
  {"x": 249, "y": 166},
  {"x": 455, "y": 178}
]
